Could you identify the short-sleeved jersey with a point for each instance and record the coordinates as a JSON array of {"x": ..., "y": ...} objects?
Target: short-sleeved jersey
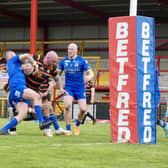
[
  {"x": 44, "y": 86},
  {"x": 42, "y": 76},
  {"x": 74, "y": 71},
  {"x": 3, "y": 65},
  {"x": 16, "y": 75}
]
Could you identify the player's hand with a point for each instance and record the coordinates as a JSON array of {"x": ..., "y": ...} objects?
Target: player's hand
[
  {"x": 64, "y": 91},
  {"x": 45, "y": 93},
  {"x": 87, "y": 78},
  {"x": 42, "y": 94}
]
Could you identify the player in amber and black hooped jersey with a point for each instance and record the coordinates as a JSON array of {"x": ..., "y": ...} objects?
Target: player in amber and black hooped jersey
[
  {"x": 48, "y": 110},
  {"x": 90, "y": 95},
  {"x": 3, "y": 65},
  {"x": 43, "y": 74},
  {"x": 47, "y": 69}
]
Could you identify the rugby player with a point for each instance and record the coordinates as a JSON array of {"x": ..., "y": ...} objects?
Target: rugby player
[
  {"x": 47, "y": 69},
  {"x": 90, "y": 95},
  {"x": 74, "y": 67},
  {"x": 19, "y": 93}
]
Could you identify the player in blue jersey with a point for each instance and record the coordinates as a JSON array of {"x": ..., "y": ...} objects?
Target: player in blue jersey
[
  {"x": 19, "y": 93},
  {"x": 161, "y": 123},
  {"x": 74, "y": 67}
]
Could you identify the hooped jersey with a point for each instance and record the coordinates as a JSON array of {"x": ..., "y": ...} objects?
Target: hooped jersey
[
  {"x": 89, "y": 86},
  {"x": 42, "y": 76},
  {"x": 44, "y": 86}
]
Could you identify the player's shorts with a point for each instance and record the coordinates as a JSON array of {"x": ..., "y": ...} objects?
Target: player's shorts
[
  {"x": 88, "y": 99},
  {"x": 15, "y": 95},
  {"x": 77, "y": 94},
  {"x": 48, "y": 97}
]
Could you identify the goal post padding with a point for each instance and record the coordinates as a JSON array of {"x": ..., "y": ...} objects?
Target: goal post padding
[{"x": 132, "y": 80}]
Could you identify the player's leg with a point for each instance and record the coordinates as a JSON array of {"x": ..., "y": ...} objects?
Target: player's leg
[
  {"x": 46, "y": 112},
  {"x": 12, "y": 113},
  {"x": 37, "y": 104},
  {"x": 22, "y": 109},
  {"x": 166, "y": 114},
  {"x": 49, "y": 114},
  {"x": 14, "y": 98},
  {"x": 164, "y": 125},
  {"x": 83, "y": 109},
  {"x": 84, "y": 118},
  {"x": 87, "y": 114},
  {"x": 53, "y": 118},
  {"x": 68, "y": 99}
]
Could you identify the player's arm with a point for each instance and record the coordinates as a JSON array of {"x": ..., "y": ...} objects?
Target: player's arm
[
  {"x": 57, "y": 78},
  {"x": 60, "y": 72},
  {"x": 89, "y": 75},
  {"x": 88, "y": 71},
  {"x": 92, "y": 93},
  {"x": 51, "y": 85},
  {"x": 58, "y": 81},
  {"x": 61, "y": 68}
]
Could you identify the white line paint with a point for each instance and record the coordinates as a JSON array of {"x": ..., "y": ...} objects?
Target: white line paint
[{"x": 81, "y": 144}]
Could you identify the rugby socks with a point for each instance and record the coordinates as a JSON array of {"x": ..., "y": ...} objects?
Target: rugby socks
[
  {"x": 77, "y": 123},
  {"x": 39, "y": 114},
  {"x": 68, "y": 127},
  {"x": 162, "y": 123},
  {"x": 53, "y": 118},
  {"x": 12, "y": 123},
  {"x": 46, "y": 119}
]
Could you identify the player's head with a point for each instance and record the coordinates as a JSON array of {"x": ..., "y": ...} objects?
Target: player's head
[
  {"x": 72, "y": 50},
  {"x": 9, "y": 54},
  {"x": 51, "y": 58},
  {"x": 27, "y": 67}
]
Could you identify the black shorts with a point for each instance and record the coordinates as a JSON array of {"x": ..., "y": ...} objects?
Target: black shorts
[
  {"x": 48, "y": 97},
  {"x": 88, "y": 99}
]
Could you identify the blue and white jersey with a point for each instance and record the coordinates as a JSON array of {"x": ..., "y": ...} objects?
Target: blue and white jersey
[
  {"x": 16, "y": 75},
  {"x": 74, "y": 71}
]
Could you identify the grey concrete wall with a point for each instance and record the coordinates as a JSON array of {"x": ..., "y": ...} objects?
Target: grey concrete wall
[{"x": 72, "y": 32}]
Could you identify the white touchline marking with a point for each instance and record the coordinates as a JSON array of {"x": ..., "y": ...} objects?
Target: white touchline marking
[{"x": 81, "y": 144}]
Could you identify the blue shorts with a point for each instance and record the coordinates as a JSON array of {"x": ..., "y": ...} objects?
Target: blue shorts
[
  {"x": 15, "y": 95},
  {"x": 76, "y": 93}
]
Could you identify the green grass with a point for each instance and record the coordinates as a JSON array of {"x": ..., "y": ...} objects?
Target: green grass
[{"x": 92, "y": 149}]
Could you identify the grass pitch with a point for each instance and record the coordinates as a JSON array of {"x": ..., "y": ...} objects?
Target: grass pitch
[{"x": 92, "y": 149}]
